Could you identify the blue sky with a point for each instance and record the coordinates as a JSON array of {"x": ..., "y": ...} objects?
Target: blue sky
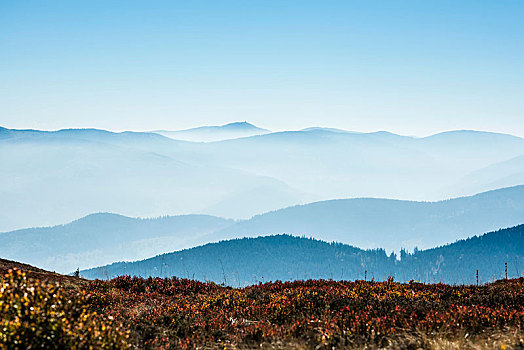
[{"x": 411, "y": 67}]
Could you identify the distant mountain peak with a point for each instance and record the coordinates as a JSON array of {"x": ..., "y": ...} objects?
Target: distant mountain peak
[
  {"x": 233, "y": 127},
  {"x": 242, "y": 126},
  {"x": 215, "y": 133}
]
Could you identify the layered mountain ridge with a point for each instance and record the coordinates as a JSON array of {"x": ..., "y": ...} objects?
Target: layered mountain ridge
[{"x": 102, "y": 238}]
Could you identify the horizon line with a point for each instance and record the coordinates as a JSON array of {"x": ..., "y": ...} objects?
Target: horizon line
[{"x": 270, "y": 131}]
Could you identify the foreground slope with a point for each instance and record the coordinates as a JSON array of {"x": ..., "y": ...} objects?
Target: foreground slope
[
  {"x": 43, "y": 275},
  {"x": 315, "y": 314},
  {"x": 174, "y": 313},
  {"x": 251, "y": 260}
]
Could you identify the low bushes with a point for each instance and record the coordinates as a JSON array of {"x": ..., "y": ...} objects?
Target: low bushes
[{"x": 41, "y": 315}]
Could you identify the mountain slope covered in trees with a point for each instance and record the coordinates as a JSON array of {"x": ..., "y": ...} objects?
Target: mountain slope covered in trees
[
  {"x": 283, "y": 257},
  {"x": 100, "y": 239}
]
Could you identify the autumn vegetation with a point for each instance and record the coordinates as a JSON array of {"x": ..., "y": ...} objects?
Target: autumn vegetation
[
  {"x": 41, "y": 315},
  {"x": 177, "y": 313}
]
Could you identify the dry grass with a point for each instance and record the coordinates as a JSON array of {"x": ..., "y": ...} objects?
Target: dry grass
[{"x": 508, "y": 340}]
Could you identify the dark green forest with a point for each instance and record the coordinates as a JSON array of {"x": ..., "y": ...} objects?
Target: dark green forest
[{"x": 245, "y": 261}]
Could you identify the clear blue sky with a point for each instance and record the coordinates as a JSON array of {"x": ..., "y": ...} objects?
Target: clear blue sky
[{"x": 412, "y": 67}]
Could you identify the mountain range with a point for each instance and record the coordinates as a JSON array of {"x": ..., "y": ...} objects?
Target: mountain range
[
  {"x": 386, "y": 223},
  {"x": 51, "y": 177},
  {"x": 241, "y": 262},
  {"x": 100, "y": 239},
  {"x": 59, "y": 176}
]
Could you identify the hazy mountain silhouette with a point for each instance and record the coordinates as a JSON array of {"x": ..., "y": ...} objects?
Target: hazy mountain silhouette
[
  {"x": 103, "y": 238},
  {"x": 57, "y": 176},
  {"x": 251, "y": 260},
  {"x": 49, "y": 178},
  {"x": 81, "y": 134},
  {"x": 337, "y": 164},
  {"x": 502, "y": 174},
  {"x": 215, "y": 133},
  {"x": 389, "y": 224},
  {"x": 366, "y": 223}
]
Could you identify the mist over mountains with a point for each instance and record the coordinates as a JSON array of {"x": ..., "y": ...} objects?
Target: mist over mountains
[
  {"x": 368, "y": 190},
  {"x": 389, "y": 224},
  {"x": 48, "y": 178},
  {"x": 103, "y": 238}
]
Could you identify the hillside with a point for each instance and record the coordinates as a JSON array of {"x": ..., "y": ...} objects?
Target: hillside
[
  {"x": 40, "y": 274},
  {"x": 251, "y": 260},
  {"x": 173, "y": 313},
  {"x": 101, "y": 239},
  {"x": 389, "y": 224},
  {"x": 457, "y": 262},
  {"x": 104, "y": 238}
]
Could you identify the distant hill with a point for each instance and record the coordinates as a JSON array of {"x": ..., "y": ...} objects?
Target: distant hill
[
  {"x": 215, "y": 133},
  {"x": 51, "y": 177},
  {"x": 81, "y": 134},
  {"x": 503, "y": 174},
  {"x": 337, "y": 164},
  {"x": 48, "y": 178},
  {"x": 282, "y": 257},
  {"x": 100, "y": 239},
  {"x": 389, "y": 224},
  {"x": 103, "y": 238},
  {"x": 458, "y": 262}
]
